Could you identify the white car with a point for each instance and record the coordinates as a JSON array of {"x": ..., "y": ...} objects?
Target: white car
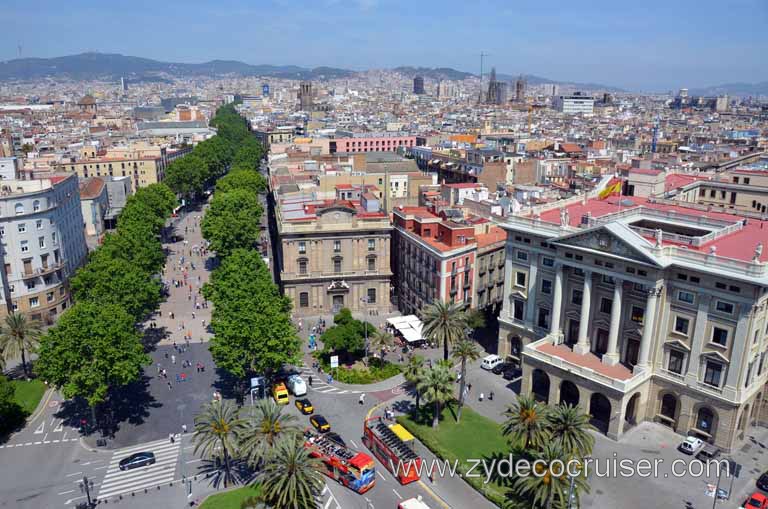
[
  {"x": 296, "y": 385},
  {"x": 491, "y": 361},
  {"x": 691, "y": 445}
]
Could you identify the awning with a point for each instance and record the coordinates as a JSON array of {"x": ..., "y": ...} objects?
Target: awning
[
  {"x": 410, "y": 335},
  {"x": 402, "y": 433},
  {"x": 397, "y": 321}
]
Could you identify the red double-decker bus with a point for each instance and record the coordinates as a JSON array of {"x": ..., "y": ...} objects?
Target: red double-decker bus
[
  {"x": 392, "y": 444},
  {"x": 355, "y": 470}
]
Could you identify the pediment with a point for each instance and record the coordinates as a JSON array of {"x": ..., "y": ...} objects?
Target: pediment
[
  {"x": 716, "y": 356},
  {"x": 614, "y": 240},
  {"x": 676, "y": 343}
]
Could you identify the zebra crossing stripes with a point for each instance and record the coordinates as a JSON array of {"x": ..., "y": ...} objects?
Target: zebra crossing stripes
[
  {"x": 322, "y": 387},
  {"x": 118, "y": 482}
]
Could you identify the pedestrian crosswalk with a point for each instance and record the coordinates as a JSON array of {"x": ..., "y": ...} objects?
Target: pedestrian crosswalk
[
  {"x": 321, "y": 386},
  {"x": 117, "y": 482}
]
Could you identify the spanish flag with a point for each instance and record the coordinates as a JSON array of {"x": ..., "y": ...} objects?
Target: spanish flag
[{"x": 610, "y": 189}]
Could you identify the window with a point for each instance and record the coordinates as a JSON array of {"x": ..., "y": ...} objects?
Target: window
[
  {"x": 686, "y": 297},
  {"x": 520, "y": 279},
  {"x": 606, "y": 305},
  {"x": 304, "y": 299},
  {"x": 22, "y": 227},
  {"x": 12, "y": 288},
  {"x": 337, "y": 246},
  {"x": 53, "y": 238},
  {"x": 676, "y": 359},
  {"x": 302, "y": 266},
  {"x": 577, "y": 296},
  {"x": 734, "y": 289},
  {"x": 638, "y": 287},
  {"x": 19, "y": 208},
  {"x": 34, "y": 302},
  {"x": 569, "y": 255},
  {"x": 302, "y": 247},
  {"x": 759, "y": 366},
  {"x": 41, "y": 242},
  {"x": 608, "y": 279},
  {"x": 548, "y": 262},
  {"x": 543, "y": 320},
  {"x": 724, "y": 307},
  {"x": 546, "y": 286},
  {"x": 24, "y": 246},
  {"x": 39, "y": 224},
  {"x": 642, "y": 273},
  {"x": 337, "y": 264},
  {"x": 371, "y": 244},
  {"x": 371, "y": 263},
  {"x": 371, "y": 295},
  {"x": 748, "y": 378},
  {"x": 631, "y": 270},
  {"x": 49, "y": 296},
  {"x": 682, "y": 277},
  {"x": 720, "y": 286},
  {"x": 682, "y": 325},
  {"x": 746, "y": 180},
  {"x": 579, "y": 272},
  {"x": 36, "y": 205},
  {"x": 2, "y": 231},
  {"x": 638, "y": 314},
  {"x": 518, "y": 308},
  {"x": 713, "y": 373},
  {"x": 522, "y": 255},
  {"x": 30, "y": 283},
  {"x": 719, "y": 336}
]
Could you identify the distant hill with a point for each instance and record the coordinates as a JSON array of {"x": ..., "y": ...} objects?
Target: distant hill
[
  {"x": 740, "y": 89},
  {"x": 113, "y": 66},
  {"x": 438, "y": 73}
]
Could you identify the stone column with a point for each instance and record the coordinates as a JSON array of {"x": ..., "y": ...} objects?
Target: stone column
[
  {"x": 611, "y": 356},
  {"x": 648, "y": 322},
  {"x": 530, "y": 310},
  {"x": 741, "y": 342},
  {"x": 506, "y": 307},
  {"x": 582, "y": 346},
  {"x": 557, "y": 301},
  {"x": 697, "y": 340}
]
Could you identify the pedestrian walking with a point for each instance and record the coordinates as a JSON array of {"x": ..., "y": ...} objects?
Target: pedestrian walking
[
  {"x": 490, "y": 396},
  {"x": 469, "y": 387},
  {"x": 362, "y": 399},
  {"x": 173, "y": 359},
  {"x": 183, "y": 428},
  {"x": 170, "y": 437},
  {"x": 482, "y": 396},
  {"x": 310, "y": 380},
  {"x": 169, "y": 385}
]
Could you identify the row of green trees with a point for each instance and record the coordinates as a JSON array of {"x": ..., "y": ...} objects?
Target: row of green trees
[
  {"x": 251, "y": 321},
  {"x": 262, "y": 439},
  {"x": 95, "y": 346}
]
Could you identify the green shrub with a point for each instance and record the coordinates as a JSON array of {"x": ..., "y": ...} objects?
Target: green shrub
[{"x": 376, "y": 371}]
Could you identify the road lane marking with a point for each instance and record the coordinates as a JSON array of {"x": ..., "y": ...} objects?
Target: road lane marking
[
  {"x": 44, "y": 437},
  {"x": 28, "y": 443},
  {"x": 64, "y": 438},
  {"x": 327, "y": 503},
  {"x": 66, "y": 492},
  {"x": 76, "y": 473},
  {"x": 40, "y": 429},
  {"x": 381, "y": 475},
  {"x": 398, "y": 494},
  {"x": 354, "y": 444},
  {"x": 194, "y": 461},
  {"x": 59, "y": 427}
]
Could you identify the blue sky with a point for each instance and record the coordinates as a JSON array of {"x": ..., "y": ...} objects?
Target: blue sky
[{"x": 639, "y": 45}]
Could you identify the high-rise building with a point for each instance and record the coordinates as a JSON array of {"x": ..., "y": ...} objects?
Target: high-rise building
[
  {"x": 418, "y": 85},
  {"x": 305, "y": 96},
  {"x": 721, "y": 104},
  {"x": 683, "y": 93},
  {"x": 446, "y": 90},
  {"x": 520, "y": 89},
  {"x": 265, "y": 90},
  {"x": 123, "y": 85},
  {"x": 497, "y": 90}
]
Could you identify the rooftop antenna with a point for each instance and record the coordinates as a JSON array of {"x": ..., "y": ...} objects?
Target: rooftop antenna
[
  {"x": 482, "y": 58},
  {"x": 19, "y": 48}
]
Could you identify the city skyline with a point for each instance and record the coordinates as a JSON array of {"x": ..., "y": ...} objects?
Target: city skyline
[{"x": 650, "y": 47}]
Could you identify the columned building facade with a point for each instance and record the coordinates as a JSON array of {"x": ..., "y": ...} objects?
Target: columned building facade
[{"x": 635, "y": 315}]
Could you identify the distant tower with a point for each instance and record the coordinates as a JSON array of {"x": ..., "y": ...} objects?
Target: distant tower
[
  {"x": 418, "y": 85},
  {"x": 497, "y": 90},
  {"x": 123, "y": 85},
  {"x": 305, "y": 96},
  {"x": 683, "y": 93},
  {"x": 265, "y": 89},
  {"x": 520, "y": 89}
]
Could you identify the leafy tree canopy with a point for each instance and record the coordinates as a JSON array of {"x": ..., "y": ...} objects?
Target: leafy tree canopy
[{"x": 232, "y": 221}]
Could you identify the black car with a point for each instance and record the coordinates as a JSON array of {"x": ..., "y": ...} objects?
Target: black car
[
  {"x": 762, "y": 482},
  {"x": 336, "y": 438},
  {"x": 512, "y": 373},
  {"x": 501, "y": 368},
  {"x": 140, "y": 459}
]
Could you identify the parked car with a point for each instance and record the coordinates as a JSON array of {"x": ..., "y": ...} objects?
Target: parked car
[
  {"x": 708, "y": 453},
  {"x": 756, "y": 501},
  {"x": 304, "y": 406},
  {"x": 296, "y": 385},
  {"x": 762, "y": 481},
  {"x": 690, "y": 445},
  {"x": 512, "y": 373},
  {"x": 280, "y": 393},
  {"x": 139, "y": 459},
  {"x": 491, "y": 361},
  {"x": 320, "y": 423},
  {"x": 501, "y": 368}
]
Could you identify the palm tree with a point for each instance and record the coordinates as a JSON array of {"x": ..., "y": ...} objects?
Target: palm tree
[
  {"x": 464, "y": 350},
  {"x": 17, "y": 337},
  {"x": 412, "y": 374},
  {"x": 436, "y": 384},
  {"x": 526, "y": 423},
  {"x": 570, "y": 430},
  {"x": 381, "y": 340},
  {"x": 291, "y": 478},
  {"x": 444, "y": 323},
  {"x": 550, "y": 487},
  {"x": 218, "y": 431},
  {"x": 266, "y": 425}
]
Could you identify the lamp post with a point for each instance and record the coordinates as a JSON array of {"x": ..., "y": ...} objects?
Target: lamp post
[
  {"x": 86, "y": 485},
  {"x": 186, "y": 482},
  {"x": 364, "y": 300}
]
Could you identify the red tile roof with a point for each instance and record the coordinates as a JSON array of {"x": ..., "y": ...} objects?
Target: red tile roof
[
  {"x": 588, "y": 360},
  {"x": 91, "y": 188},
  {"x": 495, "y": 235}
]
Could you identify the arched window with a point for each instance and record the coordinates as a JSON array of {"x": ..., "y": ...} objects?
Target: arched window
[
  {"x": 36, "y": 205},
  {"x": 704, "y": 419},
  {"x": 19, "y": 209}
]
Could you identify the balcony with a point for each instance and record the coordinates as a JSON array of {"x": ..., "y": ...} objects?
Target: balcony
[
  {"x": 42, "y": 271},
  {"x": 588, "y": 366}
]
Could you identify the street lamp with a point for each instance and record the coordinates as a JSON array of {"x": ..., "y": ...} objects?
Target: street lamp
[
  {"x": 364, "y": 300},
  {"x": 86, "y": 485},
  {"x": 185, "y": 480}
]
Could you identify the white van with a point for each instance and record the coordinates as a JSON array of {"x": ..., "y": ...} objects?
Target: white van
[
  {"x": 490, "y": 362},
  {"x": 296, "y": 385}
]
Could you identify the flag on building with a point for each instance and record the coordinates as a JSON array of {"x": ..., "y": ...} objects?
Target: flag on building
[{"x": 610, "y": 189}]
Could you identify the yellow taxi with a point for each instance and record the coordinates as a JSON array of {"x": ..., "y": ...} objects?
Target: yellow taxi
[
  {"x": 304, "y": 406},
  {"x": 280, "y": 393}
]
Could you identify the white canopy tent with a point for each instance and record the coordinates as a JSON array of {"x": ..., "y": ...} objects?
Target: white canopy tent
[
  {"x": 410, "y": 335},
  {"x": 410, "y": 327}
]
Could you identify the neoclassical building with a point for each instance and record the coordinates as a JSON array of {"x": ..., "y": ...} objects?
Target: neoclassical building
[{"x": 637, "y": 310}]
